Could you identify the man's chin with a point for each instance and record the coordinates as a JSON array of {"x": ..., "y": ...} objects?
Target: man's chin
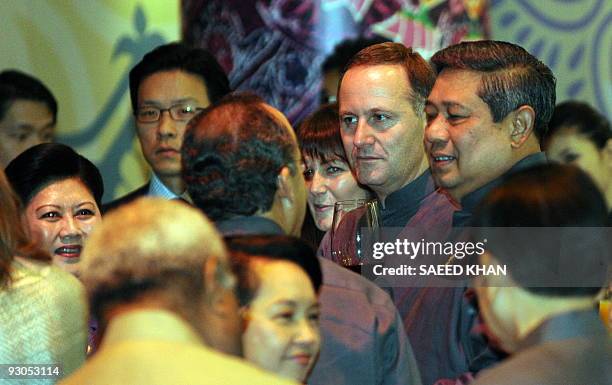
[
  {"x": 445, "y": 181},
  {"x": 370, "y": 178},
  {"x": 168, "y": 170}
]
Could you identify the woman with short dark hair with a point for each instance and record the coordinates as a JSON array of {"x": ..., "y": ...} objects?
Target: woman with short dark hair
[
  {"x": 43, "y": 310},
  {"x": 279, "y": 279},
  {"x": 328, "y": 177},
  {"x": 61, "y": 193}
]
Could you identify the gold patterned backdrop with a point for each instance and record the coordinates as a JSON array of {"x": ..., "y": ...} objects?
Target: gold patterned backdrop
[{"x": 83, "y": 50}]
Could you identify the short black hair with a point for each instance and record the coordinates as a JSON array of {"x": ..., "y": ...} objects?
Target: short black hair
[
  {"x": 46, "y": 163},
  {"x": 273, "y": 247},
  {"x": 15, "y": 85},
  {"x": 549, "y": 195},
  {"x": 232, "y": 154},
  {"x": 319, "y": 134},
  {"x": 179, "y": 56},
  {"x": 512, "y": 77},
  {"x": 586, "y": 120}
]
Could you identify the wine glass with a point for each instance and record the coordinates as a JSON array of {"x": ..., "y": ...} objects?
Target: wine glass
[{"x": 355, "y": 225}]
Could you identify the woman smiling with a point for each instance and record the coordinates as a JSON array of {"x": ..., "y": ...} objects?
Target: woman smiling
[
  {"x": 278, "y": 283},
  {"x": 43, "y": 308},
  {"x": 61, "y": 193},
  {"x": 328, "y": 176}
]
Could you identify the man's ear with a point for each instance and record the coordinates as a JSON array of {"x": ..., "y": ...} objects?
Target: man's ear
[
  {"x": 522, "y": 123},
  {"x": 284, "y": 190},
  {"x": 245, "y": 317},
  {"x": 211, "y": 283},
  {"x": 217, "y": 286}
]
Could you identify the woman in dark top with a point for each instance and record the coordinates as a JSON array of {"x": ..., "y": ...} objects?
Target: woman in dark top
[{"x": 328, "y": 176}]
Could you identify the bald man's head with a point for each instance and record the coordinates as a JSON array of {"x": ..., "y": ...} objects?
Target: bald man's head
[{"x": 160, "y": 253}]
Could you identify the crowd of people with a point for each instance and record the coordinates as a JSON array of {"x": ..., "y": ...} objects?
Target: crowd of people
[{"x": 220, "y": 269}]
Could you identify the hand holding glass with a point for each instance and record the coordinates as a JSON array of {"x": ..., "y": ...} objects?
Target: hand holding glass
[{"x": 354, "y": 222}]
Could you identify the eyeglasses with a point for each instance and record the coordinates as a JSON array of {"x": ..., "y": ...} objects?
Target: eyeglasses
[{"x": 178, "y": 112}]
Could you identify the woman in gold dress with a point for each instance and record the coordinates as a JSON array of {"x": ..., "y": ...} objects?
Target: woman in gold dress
[{"x": 44, "y": 313}]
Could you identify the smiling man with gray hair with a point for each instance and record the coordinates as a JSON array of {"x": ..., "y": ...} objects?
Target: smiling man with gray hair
[{"x": 158, "y": 280}]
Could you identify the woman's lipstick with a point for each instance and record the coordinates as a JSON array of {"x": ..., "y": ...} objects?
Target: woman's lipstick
[{"x": 69, "y": 251}]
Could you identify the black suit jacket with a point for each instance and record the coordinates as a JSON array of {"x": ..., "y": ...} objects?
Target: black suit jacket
[
  {"x": 140, "y": 192},
  {"x": 570, "y": 348}
]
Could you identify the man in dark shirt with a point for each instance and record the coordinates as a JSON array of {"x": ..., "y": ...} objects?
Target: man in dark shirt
[
  {"x": 169, "y": 86},
  {"x": 381, "y": 99},
  {"x": 542, "y": 310},
  {"x": 486, "y": 115},
  {"x": 381, "y": 95},
  {"x": 242, "y": 167},
  {"x": 487, "y": 111}
]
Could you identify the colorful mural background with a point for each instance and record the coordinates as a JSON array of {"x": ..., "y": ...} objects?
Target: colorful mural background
[
  {"x": 574, "y": 38},
  {"x": 275, "y": 47},
  {"x": 84, "y": 49}
]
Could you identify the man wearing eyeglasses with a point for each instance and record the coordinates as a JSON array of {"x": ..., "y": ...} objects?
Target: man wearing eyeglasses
[{"x": 168, "y": 87}]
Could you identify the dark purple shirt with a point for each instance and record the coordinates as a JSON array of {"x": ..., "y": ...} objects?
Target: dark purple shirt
[
  {"x": 439, "y": 321},
  {"x": 363, "y": 341}
]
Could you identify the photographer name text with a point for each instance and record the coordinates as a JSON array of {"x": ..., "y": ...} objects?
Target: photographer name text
[{"x": 440, "y": 270}]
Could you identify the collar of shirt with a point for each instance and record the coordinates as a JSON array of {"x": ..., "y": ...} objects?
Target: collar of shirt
[
  {"x": 402, "y": 204},
  {"x": 158, "y": 189},
  {"x": 471, "y": 200}
]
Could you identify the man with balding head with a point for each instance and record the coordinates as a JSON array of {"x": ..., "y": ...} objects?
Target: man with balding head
[
  {"x": 242, "y": 167},
  {"x": 242, "y": 163},
  {"x": 159, "y": 283}
]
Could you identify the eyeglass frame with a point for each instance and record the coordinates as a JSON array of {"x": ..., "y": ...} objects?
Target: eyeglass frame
[{"x": 169, "y": 109}]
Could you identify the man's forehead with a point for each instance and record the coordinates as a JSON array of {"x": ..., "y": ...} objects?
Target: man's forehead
[
  {"x": 26, "y": 112},
  {"x": 376, "y": 77},
  {"x": 456, "y": 86},
  {"x": 173, "y": 86},
  {"x": 459, "y": 78},
  {"x": 367, "y": 84}
]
